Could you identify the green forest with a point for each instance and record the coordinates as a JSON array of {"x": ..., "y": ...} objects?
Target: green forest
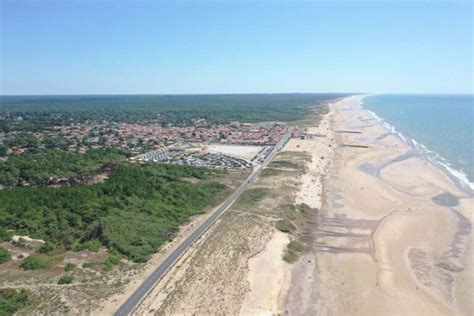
[
  {"x": 35, "y": 113},
  {"x": 133, "y": 212}
]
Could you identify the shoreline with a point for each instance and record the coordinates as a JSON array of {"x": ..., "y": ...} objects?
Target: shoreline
[
  {"x": 386, "y": 215},
  {"x": 459, "y": 177}
]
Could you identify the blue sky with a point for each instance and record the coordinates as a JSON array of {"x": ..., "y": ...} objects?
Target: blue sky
[{"x": 108, "y": 47}]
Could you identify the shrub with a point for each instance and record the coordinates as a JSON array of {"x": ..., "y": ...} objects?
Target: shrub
[
  {"x": 292, "y": 251},
  {"x": 12, "y": 300},
  {"x": 285, "y": 226},
  {"x": 87, "y": 265},
  {"x": 303, "y": 208},
  {"x": 66, "y": 279},
  {"x": 5, "y": 235},
  {"x": 47, "y": 247},
  {"x": 35, "y": 263},
  {"x": 91, "y": 245},
  {"x": 296, "y": 246},
  {"x": 69, "y": 267},
  {"x": 5, "y": 255},
  {"x": 111, "y": 261}
]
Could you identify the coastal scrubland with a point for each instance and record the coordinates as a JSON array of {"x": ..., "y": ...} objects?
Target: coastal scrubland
[{"x": 223, "y": 262}]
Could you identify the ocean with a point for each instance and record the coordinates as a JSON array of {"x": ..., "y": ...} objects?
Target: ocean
[{"x": 440, "y": 126}]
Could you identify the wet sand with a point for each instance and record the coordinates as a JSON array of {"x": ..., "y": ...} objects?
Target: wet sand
[{"x": 394, "y": 234}]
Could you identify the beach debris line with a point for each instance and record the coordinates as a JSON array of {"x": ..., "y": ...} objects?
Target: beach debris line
[
  {"x": 356, "y": 146},
  {"x": 349, "y": 132}
]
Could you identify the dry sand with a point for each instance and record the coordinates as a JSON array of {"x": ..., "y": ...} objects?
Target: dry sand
[
  {"x": 382, "y": 245},
  {"x": 269, "y": 278}
]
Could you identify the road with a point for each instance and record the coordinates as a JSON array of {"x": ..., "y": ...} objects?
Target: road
[{"x": 156, "y": 275}]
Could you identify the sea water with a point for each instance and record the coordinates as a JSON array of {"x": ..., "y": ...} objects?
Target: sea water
[{"x": 441, "y": 126}]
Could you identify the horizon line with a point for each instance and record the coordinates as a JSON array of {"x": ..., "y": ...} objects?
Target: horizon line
[{"x": 230, "y": 93}]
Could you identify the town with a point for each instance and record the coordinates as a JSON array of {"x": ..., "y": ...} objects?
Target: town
[{"x": 233, "y": 146}]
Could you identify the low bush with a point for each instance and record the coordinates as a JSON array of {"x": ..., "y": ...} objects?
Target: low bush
[
  {"x": 47, "y": 247},
  {"x": 66, "y": 279},
  {"x": 111, "y": 261},
  {"x": 303, "y": 208},
  {"x": 5, "y": 255},
  {"x": 292, "y": 251},
  {"x": 91, "y": 245},
  {"x": 285, "y": 226},
  {"x": 69, "y": 267},
  {"x": 35, "y": 263},
  {"x": 88, "y": 265}
]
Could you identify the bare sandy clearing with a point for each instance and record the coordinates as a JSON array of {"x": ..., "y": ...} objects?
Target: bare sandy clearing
[{"x": 246, "y": 152}]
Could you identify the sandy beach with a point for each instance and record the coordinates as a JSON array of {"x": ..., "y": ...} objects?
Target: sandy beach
[{"x": 394, "y": 234}]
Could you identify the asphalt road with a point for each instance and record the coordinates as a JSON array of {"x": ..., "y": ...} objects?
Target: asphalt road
[{"x": 150, "y": 282}]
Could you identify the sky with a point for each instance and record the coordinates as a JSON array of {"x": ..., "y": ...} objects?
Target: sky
[{"x": 156, "y": 47}]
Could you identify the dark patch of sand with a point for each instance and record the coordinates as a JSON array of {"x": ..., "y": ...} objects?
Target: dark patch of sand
[{"x": 445, "y": 199}]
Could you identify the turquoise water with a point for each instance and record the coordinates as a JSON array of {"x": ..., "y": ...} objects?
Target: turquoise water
[{"x": 442, "y": 123}]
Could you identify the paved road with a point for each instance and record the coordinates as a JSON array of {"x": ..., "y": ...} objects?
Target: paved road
[{"x": 150, "y": 282}]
